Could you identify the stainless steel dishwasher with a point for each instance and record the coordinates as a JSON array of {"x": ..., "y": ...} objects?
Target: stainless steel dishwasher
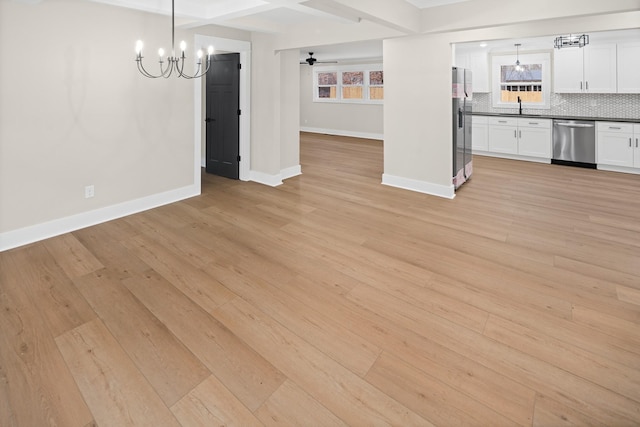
[{"x": 574, "y": 143}]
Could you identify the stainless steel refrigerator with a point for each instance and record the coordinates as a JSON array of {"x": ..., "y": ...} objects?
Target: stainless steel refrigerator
[{"x": 462, "y": 98}]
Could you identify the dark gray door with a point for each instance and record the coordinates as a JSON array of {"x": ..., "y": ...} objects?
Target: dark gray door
[{"x": 223, "y": 111}]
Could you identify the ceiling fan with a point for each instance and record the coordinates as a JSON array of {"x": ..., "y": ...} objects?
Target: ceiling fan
[{"x": 311, "y": 60}]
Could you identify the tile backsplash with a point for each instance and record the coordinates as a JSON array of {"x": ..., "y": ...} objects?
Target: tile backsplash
[{"x": 599, "y": 105}]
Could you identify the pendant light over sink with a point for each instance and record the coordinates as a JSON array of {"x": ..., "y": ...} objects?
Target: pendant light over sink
[
  {"x": 173, "y": 62},
  {"x": 518, "y": 67}
]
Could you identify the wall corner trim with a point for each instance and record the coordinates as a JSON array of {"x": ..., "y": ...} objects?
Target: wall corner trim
[
  {"x": 291, "y": 172},
  {"x": 23, "y": 236},
  {"x": 265, "y": 178},
  {"x": 447, "y": 192}
]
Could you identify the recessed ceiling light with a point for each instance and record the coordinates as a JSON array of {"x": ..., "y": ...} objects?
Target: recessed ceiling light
[{"x": 483, "y": 44}]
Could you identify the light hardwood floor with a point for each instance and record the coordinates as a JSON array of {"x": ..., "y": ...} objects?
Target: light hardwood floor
[{"x": 334, "y": 300}]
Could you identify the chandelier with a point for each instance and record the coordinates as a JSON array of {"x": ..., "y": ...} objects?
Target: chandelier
[
  {"x": 571, "y": 41},
  {"x": 173, "y": 63}
]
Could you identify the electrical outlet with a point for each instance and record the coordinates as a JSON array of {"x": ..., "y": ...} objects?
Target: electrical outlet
[{"x": 89, "y": 191}]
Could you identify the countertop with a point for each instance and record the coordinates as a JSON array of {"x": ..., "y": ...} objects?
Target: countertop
[{"x": 547, "y": 116}]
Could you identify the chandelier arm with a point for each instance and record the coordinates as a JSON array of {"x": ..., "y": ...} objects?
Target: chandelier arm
[
  {"x": 167, "y": 73},
  {"x": 143, "y": 70},
  {"x": 181, "y": 73},
  {"x": 196, "y": 75}
]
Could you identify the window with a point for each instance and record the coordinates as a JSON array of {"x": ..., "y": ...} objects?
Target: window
[
  {"x": 353, "y": 83},
  {"x": 327, "y": 85},
  {"x": 376, "y": 88},
  {"x": 530, "y": 81}
]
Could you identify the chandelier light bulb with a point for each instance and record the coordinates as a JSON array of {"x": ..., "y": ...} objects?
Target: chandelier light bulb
[
  {"x": 210, "y": 50},
  {"x": 161, "y": 52},
  {"x": 139, "y": 45},
  {"x": 183, "y": 45},
  {"x": 199, "y": 53}
]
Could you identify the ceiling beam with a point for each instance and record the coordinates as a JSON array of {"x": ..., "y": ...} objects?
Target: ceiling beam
[{"x": 399, "y": 15}]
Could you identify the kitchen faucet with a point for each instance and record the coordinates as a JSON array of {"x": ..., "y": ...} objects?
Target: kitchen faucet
[{"x": 520, "y": 105}]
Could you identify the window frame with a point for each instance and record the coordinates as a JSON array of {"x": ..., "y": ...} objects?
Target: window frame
[
  {"x": 366, "y": 69},
  {"x": 498, "y": 60}
]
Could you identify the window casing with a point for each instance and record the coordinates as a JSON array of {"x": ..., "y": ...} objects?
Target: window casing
[
  {"x": 349, "y": 84},
  {"x": 532, "y": 82}
]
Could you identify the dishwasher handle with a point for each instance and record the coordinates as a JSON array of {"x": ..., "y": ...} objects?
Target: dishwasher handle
[{"x": 574, "y": 125}]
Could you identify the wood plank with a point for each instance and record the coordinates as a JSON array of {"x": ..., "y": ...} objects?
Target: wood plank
[
  {"x": 610, "y": 374},
  {"x": 194, "y": 282},
  {"x": 33, "y": 276},
  {"x": 165, "y": 362},
  {"x": 74, "y": 259},
  {"x": 103, "y": 241},
  {"x": 338, "y": 389},
  {"x": 278, "y": 410},
  {"x": 336, "y": 341},
  {"x": 117, "y": 393},
  {"x": 36, "y": 387},
  {"x": 249, "y": 376},
  {"x": 548, "y": 412},
  {"x": 629, "y": 295},
  {"x": 211, "y": 403},
  {"x": 625, "y": 331},
  {"x": 434, "y": 400}
]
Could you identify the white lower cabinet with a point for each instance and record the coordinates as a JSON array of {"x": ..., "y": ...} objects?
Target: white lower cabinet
[
  {"x": 480, "y": 133},
  {"x": 618, "y": 145},
  {"x": 520, "y": 136}
]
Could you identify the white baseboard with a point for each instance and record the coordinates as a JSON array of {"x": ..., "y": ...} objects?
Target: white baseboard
[
  {"x": 23, "y": 236},
  {"x": 291, "y": 172},
  {"x": 275, "y": 180},
  {"x": 447, "y": 192},
  {"x": 512, "y": 156},
  {"x": 619, "y": 169},
  {"x": 265, "y": 178},
  {"x": 340, "y": 132}
]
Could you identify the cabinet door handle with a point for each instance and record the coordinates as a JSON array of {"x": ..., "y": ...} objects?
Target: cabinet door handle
[
  {"x": 519, "y": 134},
  {"x": 630, "y": 143},
  {"x": 580, "y": 85},
  {"x": 614, "y": 127},
  {"x": 587, "y": 85},
  {"x": 534, "y": 123},
  {"x": 636, "y": 142},
  {"x": 502, "y": 121},
  {"x": 515, "y": 134}
]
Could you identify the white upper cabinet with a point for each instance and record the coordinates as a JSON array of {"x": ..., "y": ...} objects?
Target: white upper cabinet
[
  {"x": 568, "y": 75},
  {"x": 591, "y": 69},
  {"x": 478, "y": 63},
  {"x": 629, "y": 67}
]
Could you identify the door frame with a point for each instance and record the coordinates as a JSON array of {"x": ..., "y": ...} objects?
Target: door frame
[{"x": 225, "y": 46}]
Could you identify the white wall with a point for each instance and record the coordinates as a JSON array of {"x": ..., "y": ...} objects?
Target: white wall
[
  {"x": 360, "y": 120},
  {"x": 74, "y": 111},
  {"x": 290, "y": 113},
  {"x": 275, "y": 109},
  {"x": 417, "y": 120}
]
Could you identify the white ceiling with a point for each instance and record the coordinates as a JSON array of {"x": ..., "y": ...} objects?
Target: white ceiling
[
  {"x": 270, "y": 16},
  {"x": 277, "y": 15}
]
